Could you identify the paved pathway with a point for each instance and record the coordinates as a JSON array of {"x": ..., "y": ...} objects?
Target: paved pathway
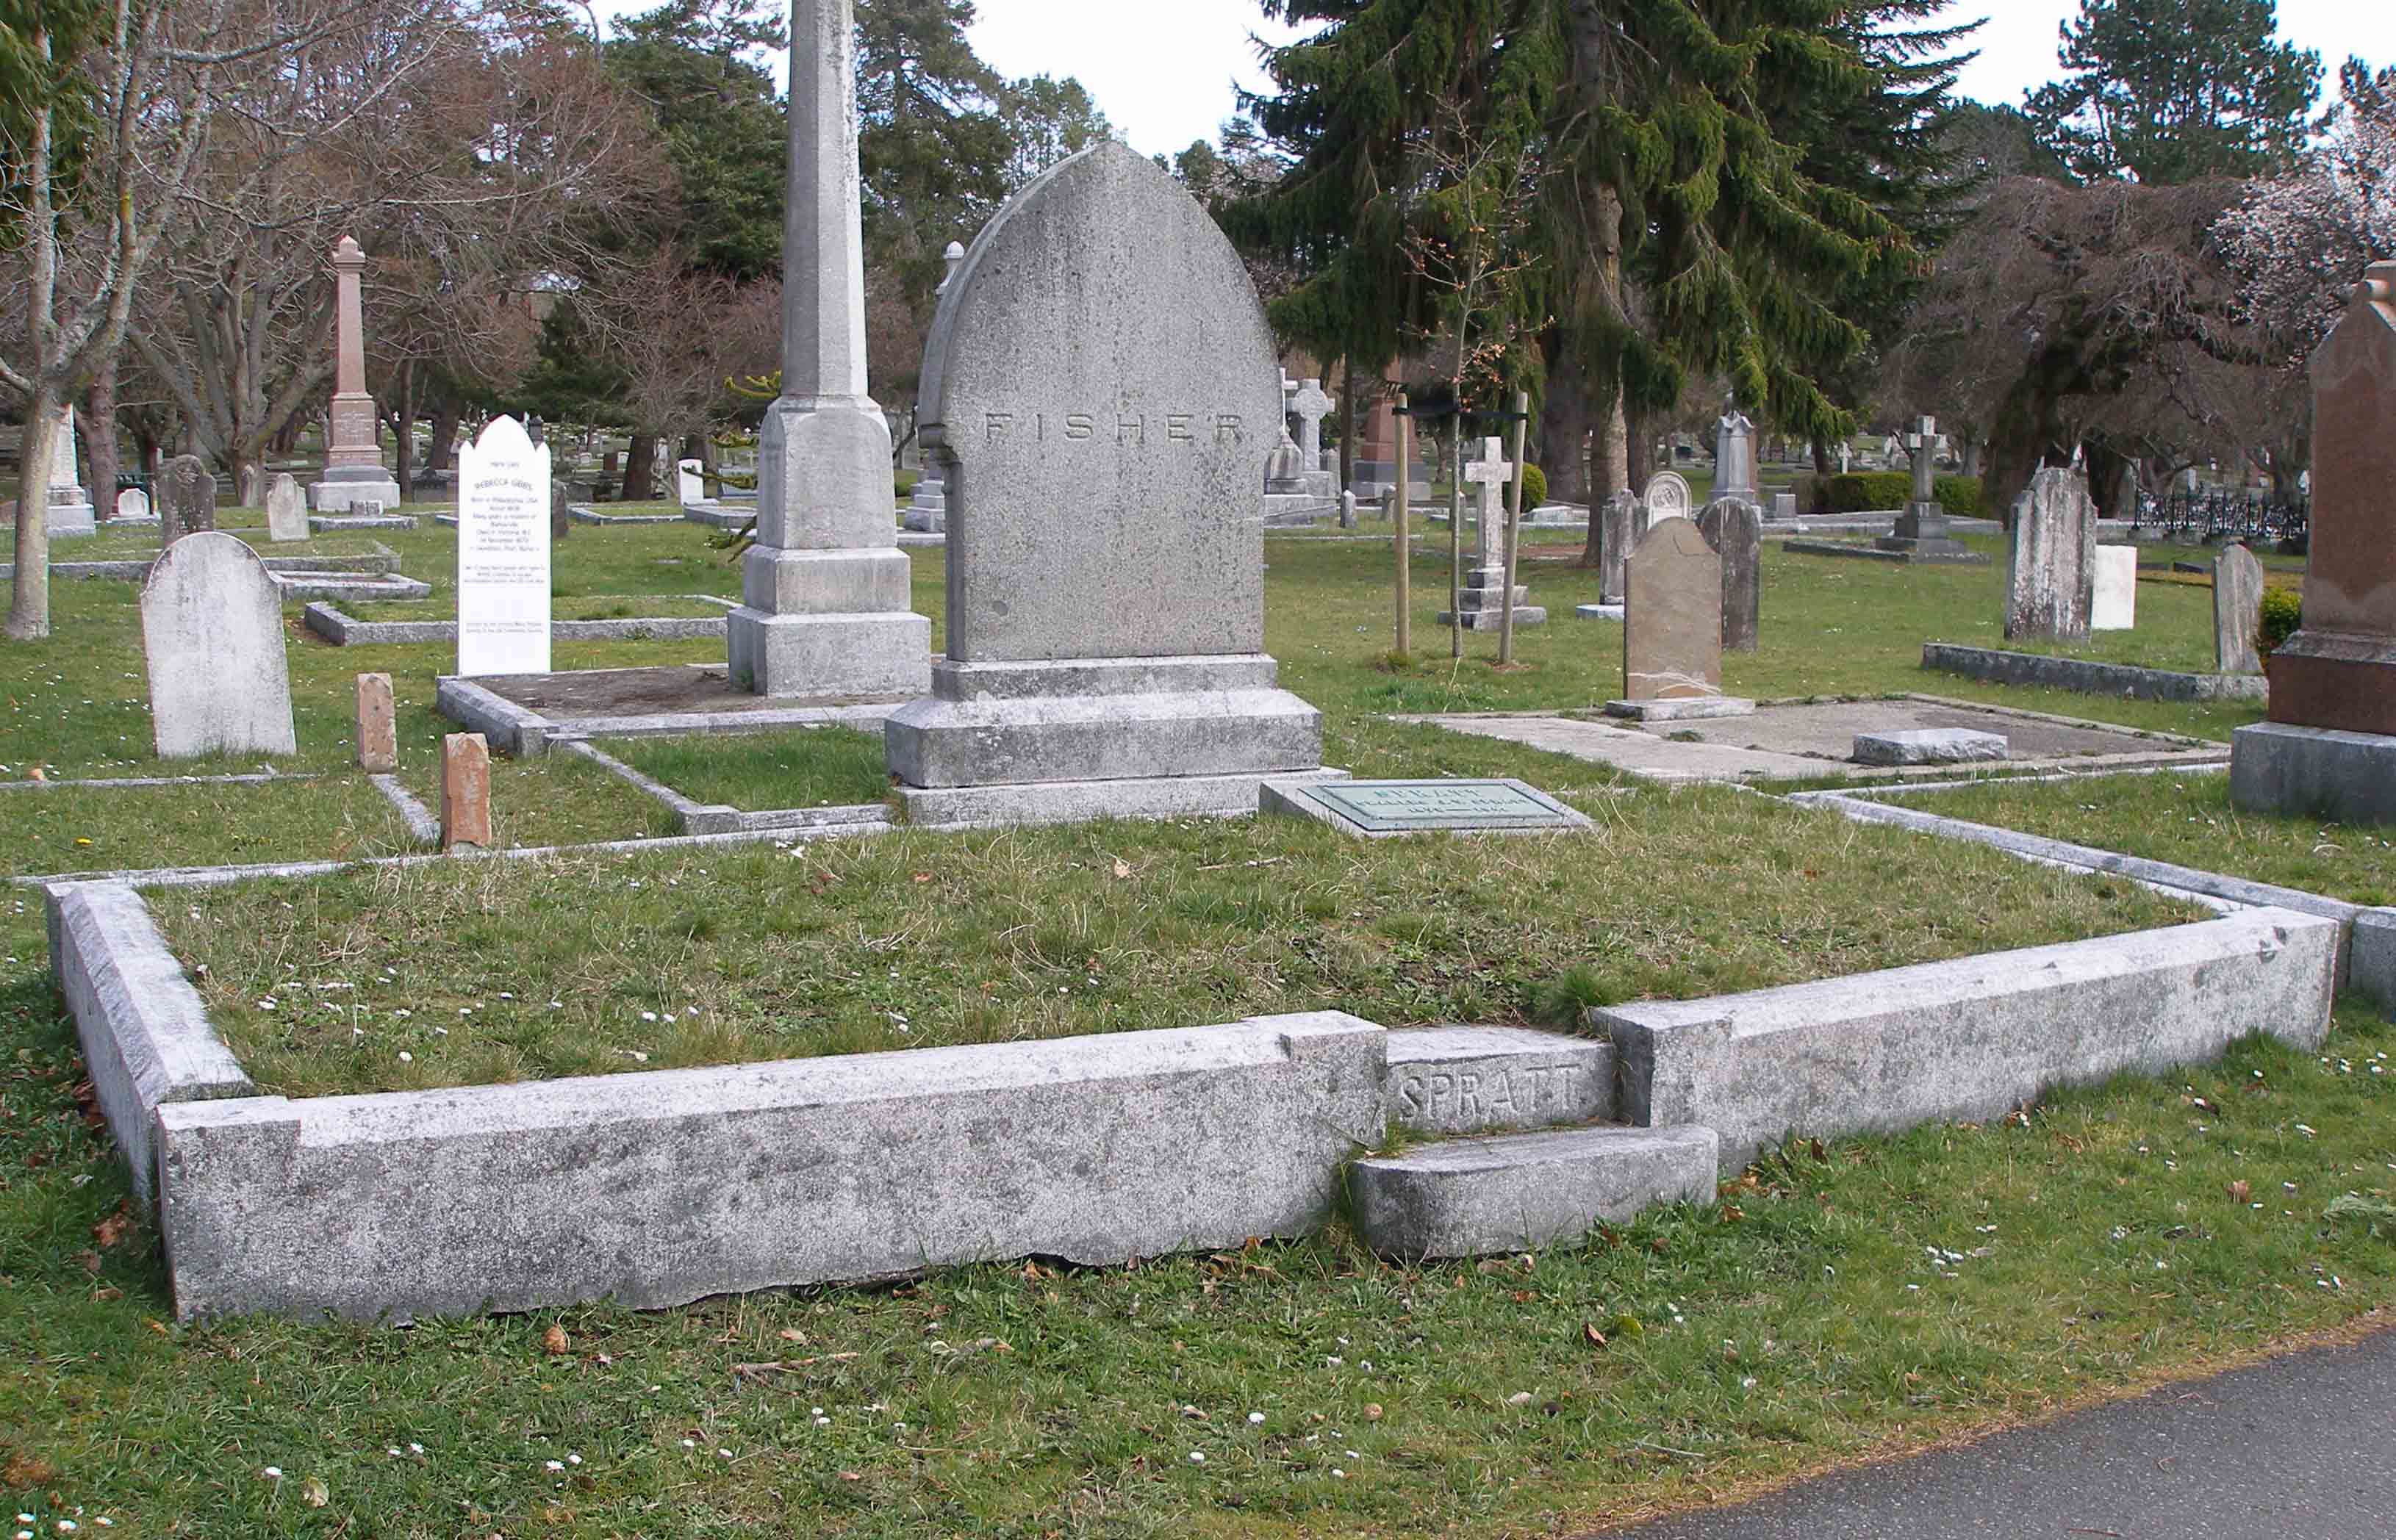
[{"x": 2297, "y": 1447}]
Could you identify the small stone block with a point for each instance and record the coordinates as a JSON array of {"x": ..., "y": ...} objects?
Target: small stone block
[
  {"x": 2313, "y": 773},
  {"x": 377, "y": 726},
  {"x": 465, "y": 792},
  {"x": 1598, "y": 612},
  {"x": 1693, "y": 709},
  {"x": 1385, "y": 809},
  {"x": 2373, "y": 958},
  {"x": 1523, "y": 1192},
  {"x": 1930, "y": 746},
  {"x": 1447, "y": 1081}
]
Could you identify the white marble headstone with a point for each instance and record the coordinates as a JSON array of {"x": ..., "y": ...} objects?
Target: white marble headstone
[
  {"x": 133, "y": 503},
  {"x": 503, "y": 552},
  {"x": 2115, "y": 605},
  {"x": 212, "y": 634},
  {"x": 286, "y": 509},
  {"x": 1668, "y": 497},
  {"x": 691, "y": 483}
]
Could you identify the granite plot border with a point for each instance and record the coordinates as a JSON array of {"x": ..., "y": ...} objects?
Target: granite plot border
[
  {"x": 2088, "y": 676},
  {"x": 526, "y": 734},
  {"x": 345, "y": 631},
  {"x": 692, "y": 817}
]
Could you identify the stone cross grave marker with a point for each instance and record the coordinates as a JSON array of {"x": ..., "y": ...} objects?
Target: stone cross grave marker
[
  {"x": 1671, "y": 621},
  {"x": 187, "y": 499},
  {"x": 1667, "y": 497},
  {"x": 503, "y": 552},
  {"x": 1311, "y": 406},
  {"x": 286, "y": 511},
  {"x": 212, "y": 634},
  {"x": 1734, "y": 528},
  {"x": 2237, "y": 611},
  {"x": 1923, "y": 445},
  {"x": 1100, "y": 393},
  {"x": 2052, "y": 587},
  {"x": 1489, "y": 474}
]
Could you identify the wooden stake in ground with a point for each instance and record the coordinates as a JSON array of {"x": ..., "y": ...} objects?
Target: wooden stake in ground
[
  {"x": 1513, "y": 528},
  {"x": 1456, "y": 537},
  {"x": 1405, "y": 542}
]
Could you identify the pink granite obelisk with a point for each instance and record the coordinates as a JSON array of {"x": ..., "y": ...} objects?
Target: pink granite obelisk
[{"x": 354, "y": 468}]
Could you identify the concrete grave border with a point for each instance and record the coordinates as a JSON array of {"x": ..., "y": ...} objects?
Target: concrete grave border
[
  {"x": 697, "y": 818},
  {"x": 381, "y": 562},
  {"x": 345, "y": 631},
  {"x": 1999, "y": 666},
  {"x": 527, "y": 734}
]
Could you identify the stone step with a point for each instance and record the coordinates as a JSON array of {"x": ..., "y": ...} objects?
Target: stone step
[
  {"x": 1482, "y": 1080},
  {"x": 1521, "y": 1192}
]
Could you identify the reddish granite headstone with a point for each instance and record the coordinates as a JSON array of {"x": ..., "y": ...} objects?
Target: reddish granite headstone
[
  {"x": 377, "y": 726},
  {"x": 2339, "y": 672},
  {"x": 465, "y": 792}
]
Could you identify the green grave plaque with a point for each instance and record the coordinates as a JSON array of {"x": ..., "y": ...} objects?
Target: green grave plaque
[{"x": 1424, "y": 806}]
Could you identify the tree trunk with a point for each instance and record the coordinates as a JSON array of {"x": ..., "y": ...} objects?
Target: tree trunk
[
  {"x": 640, "y": 466},
  {"x": 1565, "y": 415},
  {"x": 1347, "y": 423},
  {"x": 2105, "y": 465},
  {"x": 404, "y": 430},
  {"x": 445, "y": 433},
  {"x": 99, "y": 439},
  {"x": 29, "y": 596}
]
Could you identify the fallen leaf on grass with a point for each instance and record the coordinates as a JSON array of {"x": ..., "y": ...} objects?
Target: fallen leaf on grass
[
  {"x": 315, "y": 1493},
  {"x": 111, "y": 1230},
  {"x": 554, "y": 1341},
  {"x": 2240, "y": 1191},
  {"x": 1591, "y": 1335},
  {"x": 1123, "y": 867}
]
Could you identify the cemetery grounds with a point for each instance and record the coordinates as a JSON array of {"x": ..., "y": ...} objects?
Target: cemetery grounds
[{"x": 1840, "y": 1301}]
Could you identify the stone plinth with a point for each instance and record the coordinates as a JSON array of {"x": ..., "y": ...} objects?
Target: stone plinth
[
  {"x": 70, "y": 507},
  {"x": 825, "y": 590},
  {"x": 1101, "y": 396}
]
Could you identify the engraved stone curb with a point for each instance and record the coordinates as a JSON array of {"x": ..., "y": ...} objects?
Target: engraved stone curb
[
  {"x": 1996, "y": 666},
  {"x": 137, "y": 569},
  {"x": 584, "y": 514},
  {"x": 509, "y": 727},
  {"x": 152, "y": 783},
  {"x": 1075, "y": 801},
  {"x": 312, "y": 583},
  {"x": 2373, "y": 961},
  {"x": 145, "y": 1034},
  {"x": 1973, "y": 1038},
  {"x": 658, "y": 1189},
  {"x": 526, "y": 734},
  {"x": 1447, "y": 1081},
  {"x": 1523, "y": 1191},
  {"x": 421, "y": 825}
]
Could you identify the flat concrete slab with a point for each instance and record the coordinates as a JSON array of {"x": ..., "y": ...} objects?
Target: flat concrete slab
[
  {"x": 523, "y": 713},
  {"x": 1817, "y": 739},
  {"x": 1692, "y": 708},
  {"x": 1523, "y": 1192},
  {"x": 1930, "y": 746}
]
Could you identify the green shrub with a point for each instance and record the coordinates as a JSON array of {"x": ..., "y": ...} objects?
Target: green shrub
[
  {"x": 1535, "y": 486},
  {"x": 1868, "y": 491},
  {"x": 1958, "y": 494},
  {"x": 2283, "y": 611}
]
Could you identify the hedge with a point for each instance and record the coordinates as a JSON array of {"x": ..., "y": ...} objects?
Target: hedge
[{"x": 1876, "y": 491}]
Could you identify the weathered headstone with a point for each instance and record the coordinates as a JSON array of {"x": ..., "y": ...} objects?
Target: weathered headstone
[
  {"x": 1734, "y": 528},
  {"x": 253, "y": 486},
  {"x": 378, "y": 726},
  {"x": 212, "y": 634},
  {"x": 825, "y": 591},
  {"x": 286, "y": 511},
  {"x": 503, "y": 554},
  {"x": 2052, "y": 584},
  {"x": 1101, "y": 393},
  {"x": 466, "y": 789},
  {"x": 1734, "y": 457},
  {"x": 354, "y": 468},
  {"x": 2237, "y": 611},
  {"x": 1667, "y": 497},
  {"x": 690, "y": 483},
  {"x": 133, "y": 505},
  {"x": 1347, "y": 510},
  {"x": 1621, "y": 521},
  {"x": 70, "y": 506},
  {"x": 2113, "y": 595},
  {"x": 1672, "y": 623},
  {"x": 1784, "y": 507},
  {"x": 187, "y": 499},
  {"x": 560, "y": 510}
]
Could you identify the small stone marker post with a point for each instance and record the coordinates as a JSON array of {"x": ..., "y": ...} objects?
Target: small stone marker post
[
  {"x": 1672, "y": 622},
  {"x": 2237, "y": 611},
  {"x": 212, "y": 634},
  {"x": 2053, "y": 583},
  {"x": 1401, "y": 538},
  {"x": 1734, "y": 528},
  {"x": 1507, "y": 612},
  {"x": 253, "y": 488},
  {"x": 187, "y": 499},
  {"x": 465, "y": 792},
  {"x": 378, "y": 726},
  {"x": 503, "y": 556},
  {"x": 286, "y": 511}
]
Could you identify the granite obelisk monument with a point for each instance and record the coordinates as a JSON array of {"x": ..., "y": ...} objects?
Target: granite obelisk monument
[
  {"x": 825, "y": 589},
  {"x": 354, "y": 468}
]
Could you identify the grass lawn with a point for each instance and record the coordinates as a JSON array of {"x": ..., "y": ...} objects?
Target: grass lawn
[
  {"x": 2104, "y": 1239},
  {"x": 928, "y": 939},
  {"x": 2188, "y": 821},
  {"x": 596, "y": 607}
]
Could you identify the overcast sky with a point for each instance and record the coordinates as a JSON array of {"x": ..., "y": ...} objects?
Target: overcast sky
[{"x": 1161, "y": 69}]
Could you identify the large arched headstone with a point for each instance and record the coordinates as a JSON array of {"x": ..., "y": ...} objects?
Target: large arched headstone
[
  {"x": 1100, "y": 395},
  {"x": 212, "y": 633}
]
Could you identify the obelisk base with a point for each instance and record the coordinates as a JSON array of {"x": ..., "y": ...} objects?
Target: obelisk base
[
  {"x": 345, "y": 488},
  {"x": 830, "y": 658},
  {"x": 1924, "y": 535},
  {"x": 69, "y": 513}
]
